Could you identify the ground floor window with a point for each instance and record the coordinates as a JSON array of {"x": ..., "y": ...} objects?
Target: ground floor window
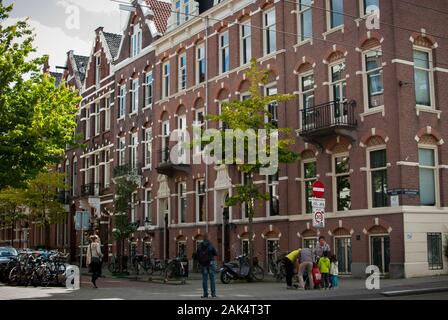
[
  {"x": 380, "y": 252},
  {"x": 309, "y": 243},
  {"x": 435, "y": 251},
  {"x": 245, "y": 247},
  {"x": 181, "y": 249},
  {"x": 343, "y": 252},
  {"x": 272, "y": 246}
]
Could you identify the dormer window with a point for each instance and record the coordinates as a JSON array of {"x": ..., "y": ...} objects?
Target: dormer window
[
  {"x": 182, "y": 11},
  {"x": 136, "y": 41},
  {"x": 98, "y": 70}
]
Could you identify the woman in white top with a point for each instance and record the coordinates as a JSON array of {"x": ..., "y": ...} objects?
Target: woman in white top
[{"x": 94, "y": 257}]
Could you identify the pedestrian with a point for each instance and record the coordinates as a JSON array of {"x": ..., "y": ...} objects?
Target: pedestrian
[
  {"x": 205, "y": 256},
  {"x": 291, "y": 262},
  {"x": 320, "y": 248},
  {"x": 94, "y": 256},
  {"x": 334, "y": 272},
  {"x": 101, "y": 260},
  {"x": 306, "y": 264},
  {"x": 324, "y": 268}
]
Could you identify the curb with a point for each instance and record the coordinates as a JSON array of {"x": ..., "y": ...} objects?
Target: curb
[{"x": 411, "y": 292}]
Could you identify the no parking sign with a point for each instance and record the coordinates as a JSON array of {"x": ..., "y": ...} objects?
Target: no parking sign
[{"x": 318, "y": 213}]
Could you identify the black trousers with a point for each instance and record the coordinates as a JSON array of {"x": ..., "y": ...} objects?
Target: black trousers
[
  {"x": 325, "y": 283},
  {"x": 289, "y": 268},
  {"x": 96, "y": 269}
]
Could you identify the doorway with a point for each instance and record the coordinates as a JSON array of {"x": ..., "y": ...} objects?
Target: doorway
[
  {"x": 380, "y": 252},
  {"x": 343, "y": 252}
]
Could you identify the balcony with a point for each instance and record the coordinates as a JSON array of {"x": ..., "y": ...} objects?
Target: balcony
[
  {"x": 91, "y": 190},
  {"x": 167, "y": 167},
  {"x": 331, "y": 118},
  {"x": 130, "y": 169},
  {"x": 64, "y": 197}
]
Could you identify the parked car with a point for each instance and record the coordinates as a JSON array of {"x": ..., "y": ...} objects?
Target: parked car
[{"x": 6, "y": 254}]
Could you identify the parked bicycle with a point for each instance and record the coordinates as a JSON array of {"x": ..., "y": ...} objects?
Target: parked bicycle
[{"x": 176, "y": 269}]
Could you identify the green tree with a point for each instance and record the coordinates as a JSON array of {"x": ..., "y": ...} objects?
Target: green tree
[
  {"x": 123, "y": 227},
  {"x": 12, "y": 208},
  {"x": 41, "y": 198},
  {"x": 37, "y": 119},
  {"x": 251, "y": 114}
]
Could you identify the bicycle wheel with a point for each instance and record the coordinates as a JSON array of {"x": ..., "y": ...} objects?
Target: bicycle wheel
[
  {"x": 15, "y": 276},
  {"x": 169, "y": 272},
  {"x": 258, "y": 273}
]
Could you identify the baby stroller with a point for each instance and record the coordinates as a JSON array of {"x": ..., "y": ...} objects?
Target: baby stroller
[{"x": 317, "y": 277}]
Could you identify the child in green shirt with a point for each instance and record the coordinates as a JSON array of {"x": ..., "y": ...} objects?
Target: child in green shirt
[{"x": 324, "y": 268}]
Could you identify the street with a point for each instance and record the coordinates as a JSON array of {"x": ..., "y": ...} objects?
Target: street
[{"x": 125, "y": 289}]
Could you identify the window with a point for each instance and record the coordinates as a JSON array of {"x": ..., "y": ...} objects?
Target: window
[
  {"x": 87, "y": 122},
  {"x": 148, "y": 148},
  {"x": 200, "y": 63},
  {"x": 107, "y": 168},
  {"x": 246, "y": 42},
  {"x": 67, "y": 173},
  {"x": 87, "y": 175},
  {"x": 183, "y": 71},
  {"x": 134, "y": 146},
  {"x": 335, "y": 15},
  {"x": 306, "y": 83},
  {"x": 200, "y": 122},
  {"x": 75, "y": 177},
  {"x": 274, "y": 205},
  {"x": 309, "y": 174},
  {"x": 98, "y": 70},
  {"x": 423, "y": 77},
  {"x": 200, "y": 200},
  {"x": 428, "y": 176},
  {"x": 270, "y": 36},
  {"x": 222, "y": 125},
  {"x": 182, "y": 196},
  {"x": 122, "y": 102},
  {"x": 186, "y": 10},
  {"x": 343, "y": 252},
  {"x": 178, "y": 12},
  {"x": 309, "y": 243},
  {"x": 165, "y": 141},
  {"x": 245, "y": 247},
  {"x": 149, "y": 89},
  {"x": 305, "y": 22},
  {"x": 373, "y": 77},
  {"x": 182, "y": 129},
  {"x": 369, "y": 5},
  {"x": 97, "y": 118},
  {"x": 435, "y": 251},
  {"x": 166, "y": 80},
  {"x": 273, "y": 106},
  {"x": 378, "y": 178},
  {"x": 148, "y": 203},
  {"x": 380, "y": 253},
  {"x": 341, "y": 182},
  {"x": 121, "y": 151},
  {"x": 134, "y": 207},
  {"x": 224, "y": 54},
  {"x": 107, "y": 114},
  {"x": 338, "y": 82},
  {"x": 136, "y": 41},
  {"x": 134, "y": 95}
]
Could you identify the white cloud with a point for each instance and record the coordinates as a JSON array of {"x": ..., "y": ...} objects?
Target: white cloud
[
  {"x": 96, "y": 6},
  {"x": 54, "y": 42}
]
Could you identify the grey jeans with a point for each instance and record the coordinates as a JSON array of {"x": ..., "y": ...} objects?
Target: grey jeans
[{"x": 308, "y": 267}]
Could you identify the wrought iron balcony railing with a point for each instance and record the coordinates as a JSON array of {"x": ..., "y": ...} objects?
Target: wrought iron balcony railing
[
  {"x": 129, "y": 169},
  {"x": 91, "y": 189}
]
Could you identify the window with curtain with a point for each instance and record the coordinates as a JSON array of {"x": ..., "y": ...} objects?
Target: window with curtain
[
  {"x": 427, "y": 173},
  {"x": 423, "y": 77},
  {"x": 374, "y": 76}
]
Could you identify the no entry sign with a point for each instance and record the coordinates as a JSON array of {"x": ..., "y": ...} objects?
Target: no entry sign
[{"x": 318, "y": 189}]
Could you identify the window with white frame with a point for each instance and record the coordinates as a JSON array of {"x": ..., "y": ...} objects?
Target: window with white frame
[
  {"x": 149, "y": 89},
  {"x": 134, "y": 154},
  {"x": 166, "y": 80},
  {"x": 165, "y": 152},
  {"x": 121, "y": 150},
  {"x": 134, "y": 95},
  {"x": 134, "y": 205},
  {"x": 178, "y": 12},
  {"x": 136, "y": 40},
  {"x": 107, "y": 114},
  {"x": 367, "y": 6},
  {"x": 75, "y": 176},
  {"x": 377, "y": 177},
  {"x": 200, "y": 63},
  {"x": 373, "y": 77},
  {"x": 87, "y": 175},
  {"x": 148, "y": 147},
  {"x": 148, "y": 204},
  {"x": 245, "y": 42},
  {"x": 270, "y": 35},
  {"x": 107, "y": 169},
  {"x": 182, "y": 131},
  {"x": 68, "y": 174},
  {"x": 182, "y": 201},
  {"x": 306, "y": 98},
  {"x": 309, "y": 176},
  {"x": 274, "y": 196},
  {"x": 222, "y": 125},
  {"x": 427, "y": 158},
  {"x": 98, "y": 70},
  {"x": 305, "y": 20},
  {"x": 224, "y": 52},
  {"x": 245, "y": 247},
  {"x": 122, "y": 102},
  {"x": 338, "y": 82},
  {"x": 335, "y": 13},
  {"x": 435, "y": 251},
  {"x": 97, "y": 118},
  {"x": 273, "y": 106},
  {"x": 423, "y": 77},
  {"x": 200, "y": 124},
  {"x": 182, "y": 72},
  {"x": 341, "y": 182},
  {"x": 87, "y": 121},
  {"x": 200, "y": 200}
]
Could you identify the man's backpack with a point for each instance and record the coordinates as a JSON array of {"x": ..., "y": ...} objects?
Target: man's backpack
[{"x": 204, "y": 256}]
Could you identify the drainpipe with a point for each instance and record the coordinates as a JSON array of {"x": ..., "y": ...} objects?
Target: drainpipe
[{"x": 206, "y": 121}]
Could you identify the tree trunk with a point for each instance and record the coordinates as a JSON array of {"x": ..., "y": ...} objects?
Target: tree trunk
[{"x": 47, "y": 235}]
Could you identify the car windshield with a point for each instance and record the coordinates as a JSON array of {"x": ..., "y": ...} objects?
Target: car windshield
[{"x": 7, "y": 252}]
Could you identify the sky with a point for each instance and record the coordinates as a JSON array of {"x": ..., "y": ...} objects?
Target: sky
[{"x": 56, "y": 24}]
